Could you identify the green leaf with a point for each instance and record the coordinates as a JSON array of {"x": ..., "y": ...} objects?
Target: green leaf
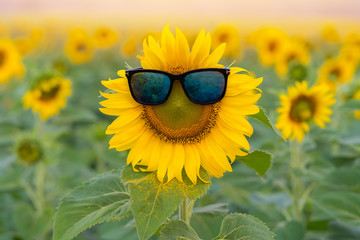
[
  {"x": 31, "y": 223},
  {"x": 206, "y": 226},
  {"x": 258, "y": 160},
  {"x": 99, "y": 200},
  {"x": 242, "y": 226},
  {"x": 178, "y": 229},
  {"x": 350, "y": 140},
  {"x": 343, "y": 206},
  {"x": 152, "y": 201},
  {"x": 77, "y": 114},
  {"x": 212, "y": 209},
  {"x": 343, "y": 179},
  {"x": 351, "y": 105},
  {"x": 291, "y": 230},
  {"x": 264, "y": 119}
]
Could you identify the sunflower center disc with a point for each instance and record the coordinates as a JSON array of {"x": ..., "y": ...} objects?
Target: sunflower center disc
[
  {"x": 81, "y": 48},
  {"x": 49, "y": 93},
  {"x": 273, "y": 46},
  {"x": 179, "y": 119},
  {"x": 302, "y": 109},
  {"x": 335, "y": 74},
  {"x": 2, "y": 57}
]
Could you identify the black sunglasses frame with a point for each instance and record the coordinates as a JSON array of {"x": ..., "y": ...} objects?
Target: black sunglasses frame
[{"x": 173, "y": 77}]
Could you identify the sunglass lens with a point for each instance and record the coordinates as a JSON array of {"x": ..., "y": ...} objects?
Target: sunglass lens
[
  {"x": 150, "y": 88},
  {"x": 205, "y": 87}
]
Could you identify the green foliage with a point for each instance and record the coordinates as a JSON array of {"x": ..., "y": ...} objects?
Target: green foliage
[
  {"x": 343, "y": 178},
  {"x": 178, "y": 229},
  {"x": 258, "y": 160},
  {"x": 101, "y": 199},
  {"x": 351, "y": 140},
  {"x": 31, "y": 223},
  {"x": 343, "y": 206},
  {"x": 351, "y": 105},
  {"x": 241, "y": 226},
  {"x": 293, "y": 230},
  {"x": 76, "y": 149},
  {"x": 212, "y": 209},
  {"x": 264, "y": 119},
  {"x": 152, "y": 201}
]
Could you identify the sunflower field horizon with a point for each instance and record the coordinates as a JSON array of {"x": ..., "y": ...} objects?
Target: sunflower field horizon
[{"x": 136, "y": 121}]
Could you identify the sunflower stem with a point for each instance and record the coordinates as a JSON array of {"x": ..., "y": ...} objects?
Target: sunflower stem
[
  {"x": 39, "y": 181},
  {"x": 38, "y": 125},
  {"x": 100, "y": 161},
  {"x": 336, "y": 122},
  {"x": 296, "y": 184},
  {"x": 184, "y": 211}
]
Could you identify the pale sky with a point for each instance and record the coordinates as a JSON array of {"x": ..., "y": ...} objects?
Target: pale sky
[
  {"x": 186, "y": 8},
  {"x": 299, "y": 16}
]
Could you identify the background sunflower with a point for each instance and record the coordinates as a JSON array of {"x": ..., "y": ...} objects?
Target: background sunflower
[
  {"x": 48, "y": 96},
  {"x": 301, "y": 106},
  {"x": 10, "y": 61}
]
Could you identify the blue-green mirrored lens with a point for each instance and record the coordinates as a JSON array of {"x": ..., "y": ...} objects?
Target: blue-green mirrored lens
[
  {"x": 204, "y": 87},
  {"x": 149, "y": 87}
]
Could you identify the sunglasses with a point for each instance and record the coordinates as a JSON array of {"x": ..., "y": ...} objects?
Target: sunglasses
[{"x": 201, "y": 86}]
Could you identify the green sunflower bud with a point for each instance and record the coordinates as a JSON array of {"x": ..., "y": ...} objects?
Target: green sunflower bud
[
  {"x": 29, "y": 150},
  {"x": 298, "y": 72}
]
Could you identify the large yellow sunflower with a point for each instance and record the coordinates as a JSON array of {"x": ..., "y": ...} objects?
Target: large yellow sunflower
[
  {"x": 301, "y": 106},
  {"x": 180, "y": 134},
  {"x": 335, "y": 72},
  {"x": 10, "y": 61},
  {"x": 48, "y": 96}
]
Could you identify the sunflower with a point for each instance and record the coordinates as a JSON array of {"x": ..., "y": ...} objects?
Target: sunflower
[
  {"x": 105, "y": 37},
  {"x": 293, "y": 51},
  {"x": 48, "y": 96},
  {"x": 10, "y": 61},
  {"x": 178, "y": 134},
  {"x": 79, "y": 47},
  {"x": 336, "y": 71},
  {"x": 351, "y": 52},
  {"x": 25, "y": 45},
  {"x": 301, "y": 106},
  {"x": 129, "y": 47},
  {"x": 230, "y": 35},
  {"x": 28, "y": 42},
  {"x": 330, "y": 34},
  {"x": 353, "y": 39},
  {"x": 269, "y": 43}
]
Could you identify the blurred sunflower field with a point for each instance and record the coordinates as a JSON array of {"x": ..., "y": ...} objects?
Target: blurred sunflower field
[{"x": 278, "y": 157}]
